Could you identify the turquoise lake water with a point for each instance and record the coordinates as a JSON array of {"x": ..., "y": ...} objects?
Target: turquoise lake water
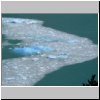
[{"x": 85, "y": 25}]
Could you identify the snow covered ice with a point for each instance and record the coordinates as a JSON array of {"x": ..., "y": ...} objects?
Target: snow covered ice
[{"x": 42, "y": 50}]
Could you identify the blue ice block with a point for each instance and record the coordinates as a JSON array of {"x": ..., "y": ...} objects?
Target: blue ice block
[{"x": 31, "y": 50}]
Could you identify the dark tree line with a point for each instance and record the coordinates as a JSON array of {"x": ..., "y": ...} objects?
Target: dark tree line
[{"x": 91, "y": 82}]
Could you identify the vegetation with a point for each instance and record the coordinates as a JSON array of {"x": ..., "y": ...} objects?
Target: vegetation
[{"x": 91, "y": 82}]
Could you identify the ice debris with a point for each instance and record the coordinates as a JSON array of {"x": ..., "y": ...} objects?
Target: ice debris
[{"x": 44, "y": 50}]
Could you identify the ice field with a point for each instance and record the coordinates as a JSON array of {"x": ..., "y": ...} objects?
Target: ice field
[{"x": 42, "y": 50}]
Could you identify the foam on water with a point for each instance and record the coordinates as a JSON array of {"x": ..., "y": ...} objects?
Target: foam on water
[{"x": 44, "y": 50}]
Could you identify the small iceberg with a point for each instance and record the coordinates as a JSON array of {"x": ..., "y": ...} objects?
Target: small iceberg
[{"x": 31, "y": 50}]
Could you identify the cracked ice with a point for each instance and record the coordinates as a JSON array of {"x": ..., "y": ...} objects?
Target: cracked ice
[{"x": 42, "y": 50}]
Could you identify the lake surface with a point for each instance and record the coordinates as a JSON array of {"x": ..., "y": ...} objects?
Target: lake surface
[{"x": 85, "y": 25}]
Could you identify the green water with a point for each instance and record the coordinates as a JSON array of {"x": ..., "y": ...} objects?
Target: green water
[{"x": 85, "y": 25}]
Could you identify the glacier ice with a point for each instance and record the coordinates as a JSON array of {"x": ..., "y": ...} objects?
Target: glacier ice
[
  {"x": 31, "y": 50},
  {"x": 43, "y": 50}
]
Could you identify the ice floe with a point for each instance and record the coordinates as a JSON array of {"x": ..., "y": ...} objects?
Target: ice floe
[{"x": 42, "y": 49}]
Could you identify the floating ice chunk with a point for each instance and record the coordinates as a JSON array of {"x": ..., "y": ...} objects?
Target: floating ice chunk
[
  {"x": 31, "y": 50},
  {"x": 45, "y": 49},
  {"x": 52, "y": 57},
  {"x": 61, "y": 56},
  {"x": 73, "y": 41},
  {"x": 21, "y": 21},
  {"x": 10, "y": 78},
  {"x": 35, "y": 59},
  {"x": 24, "y": 51},
  {"x": 49, "y": 50}
]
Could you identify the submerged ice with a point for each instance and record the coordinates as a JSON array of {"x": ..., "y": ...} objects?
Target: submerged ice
[{"x": 42, "y": 49}]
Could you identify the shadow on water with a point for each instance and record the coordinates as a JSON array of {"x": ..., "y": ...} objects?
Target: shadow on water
[
  {"x": 7, "y": 52},
  {"x": 3, "y": 38}
]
